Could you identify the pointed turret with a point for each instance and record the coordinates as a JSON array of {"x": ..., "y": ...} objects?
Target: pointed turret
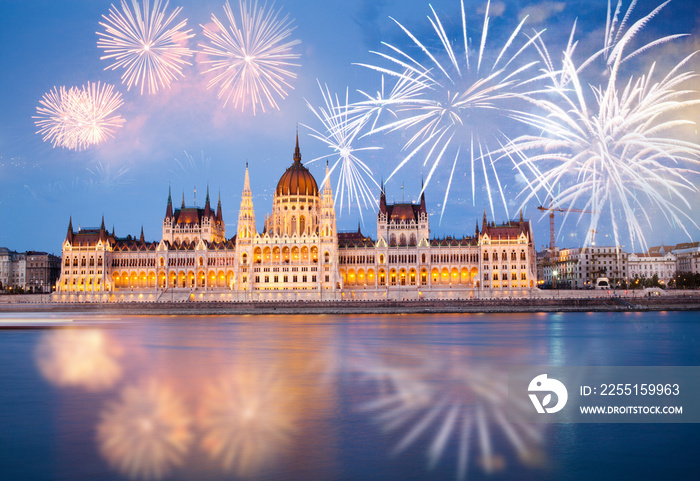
[
  {"x": 219, "y": 217},
  {"x": 327, "y": 183},
  {"x": 246, "y": 213},
  {"x": 521, "y": 216},
  {"x": 477, "y": 229},
  {"x": 382, "y": 200},
  {"x": 246, "y": 180},
  {"x": 207, "y": 207},
  {"x": 297, "y": 152},
  {"x": 103, "y": 231},
  {"x": 169, "y": 208},
  {"x": 69, "y": 235},
  {"x": 183, "y": 199},
  {"x": 423, "y": 209},
  {"x": 485, "y": 223},
  {"x": 142, "y": 239}
]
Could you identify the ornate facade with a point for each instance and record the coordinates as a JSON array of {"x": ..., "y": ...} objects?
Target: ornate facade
[{"x": 298, "y": 255}]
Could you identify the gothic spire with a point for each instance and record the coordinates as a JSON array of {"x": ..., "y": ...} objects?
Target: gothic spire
[
  {"x": 327, "y": 183},
  {"x": 297, "y": 152},
  {"x": 246, "y": 181},
  {"x": 207, "y": 206},
  {"x": 169, "y": 208},
  {"x": 103, "y": 233},
  {"x": 183, "y": 199},
  {"x": 219, "y": 217},
  {"x": 382, "y": 199},
  {"x": 69, "y": 235}
]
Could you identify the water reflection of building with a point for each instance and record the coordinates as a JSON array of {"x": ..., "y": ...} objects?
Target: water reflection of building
[{"x": 299, "y": 254}]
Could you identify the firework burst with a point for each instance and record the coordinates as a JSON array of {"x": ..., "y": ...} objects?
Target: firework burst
[
  {"x": 77, "y": 118},
  {"x": 341, "y": 126},
  {"x": 251, "y": 59},
  {"x": 79, "y": 358},
  {"x": 452, "y": 104},
  {"x": 609, "y": 147},
  {"x": 146, "y": 433},
  {"x": 141, "y": 42},
  {"x": 247, "y": 421},
  {"x": 450, "y": 401}
]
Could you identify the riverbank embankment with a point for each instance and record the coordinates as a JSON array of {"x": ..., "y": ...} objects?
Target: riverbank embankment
[{"x": 610, "y": 304}]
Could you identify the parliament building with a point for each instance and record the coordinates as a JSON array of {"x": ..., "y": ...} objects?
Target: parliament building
[{"x": 299, "y": 255}]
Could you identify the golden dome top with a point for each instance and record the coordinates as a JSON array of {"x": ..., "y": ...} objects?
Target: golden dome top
[{"x": 297, "y": 180}]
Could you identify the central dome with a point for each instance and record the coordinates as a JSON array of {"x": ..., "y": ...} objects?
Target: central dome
[{"x": 297, "y": 180}]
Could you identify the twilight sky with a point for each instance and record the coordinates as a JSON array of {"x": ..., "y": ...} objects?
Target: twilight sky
[{"x": 184, "y": 138}]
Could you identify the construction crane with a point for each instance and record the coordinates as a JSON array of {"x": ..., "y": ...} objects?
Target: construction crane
[{"x": 551, "y": 211}]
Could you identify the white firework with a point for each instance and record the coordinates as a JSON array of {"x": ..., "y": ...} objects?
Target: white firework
[
  {"x": 341, "y": 127},
  {"x": 251, "y": 59},
  {"x": 452, "y": 104},
  {"x": 78, "y": 118},
  {"x": 611, "y": 147},
  {"x": 54, "y": 117},
  {"x": 141, "y": 41}
]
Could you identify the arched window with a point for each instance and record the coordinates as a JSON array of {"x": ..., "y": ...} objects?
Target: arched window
[
  {"x": 244, "y": 258},
  {"x": 422, "y": 257},
  {"x": 326, "y": 257},
  {"x": 302, "y": 225},
  {"x": 486, "y": 256},
  {"x": 293, "y": 227}
]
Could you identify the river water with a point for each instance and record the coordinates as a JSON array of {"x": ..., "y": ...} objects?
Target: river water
[{"x": 364, "y": 397}]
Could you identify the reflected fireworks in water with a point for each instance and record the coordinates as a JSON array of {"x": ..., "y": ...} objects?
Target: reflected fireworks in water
[
  {"x": 450, "y": 401},
  {"x": 146, "y": 433},
  {"x": 251, "y": 58},
  {"x": 78, "y": 118},
  {"x": 247, "y": 420},
  {"x": 143, "y": 43},
  {"x": 85, "y": 358},
  {"x": 612, "y": 147}
]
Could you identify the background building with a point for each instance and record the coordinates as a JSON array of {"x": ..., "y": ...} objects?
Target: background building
[{"x": 43, "y": 270}]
